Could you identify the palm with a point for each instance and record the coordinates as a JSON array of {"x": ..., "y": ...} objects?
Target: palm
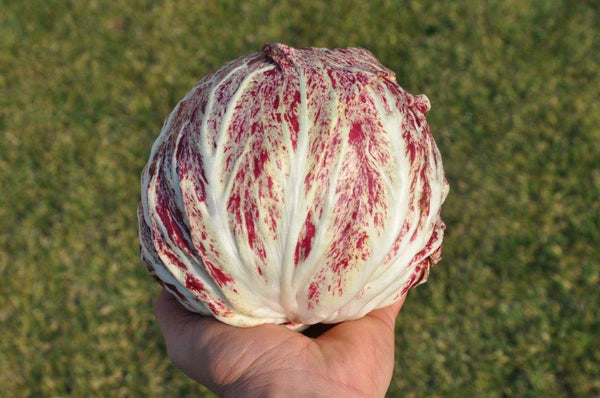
[{"x": 356, "y": 357}]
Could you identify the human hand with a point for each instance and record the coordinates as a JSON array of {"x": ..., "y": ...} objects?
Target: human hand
[{"x": 350, "y": 359}]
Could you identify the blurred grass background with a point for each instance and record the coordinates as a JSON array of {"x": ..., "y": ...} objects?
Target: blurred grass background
[{"x": 511, "y": 311}]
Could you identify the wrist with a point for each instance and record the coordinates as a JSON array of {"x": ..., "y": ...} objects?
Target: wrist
[{"x": 296, "y": 385}]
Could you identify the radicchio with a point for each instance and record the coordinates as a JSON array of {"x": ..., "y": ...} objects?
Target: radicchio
[{"x": 293, "y": 186}]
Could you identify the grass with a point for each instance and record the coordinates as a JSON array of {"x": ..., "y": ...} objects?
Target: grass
[{"x": 512, "y": 310}]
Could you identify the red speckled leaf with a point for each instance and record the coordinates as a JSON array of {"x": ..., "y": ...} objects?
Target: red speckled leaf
[{"x": 293, "y": 186}]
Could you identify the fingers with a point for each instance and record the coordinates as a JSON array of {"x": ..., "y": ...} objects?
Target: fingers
[
  {"x": 388, "y": 314},
  {"x": 184, "y": 332},
  {"x": 370, "y": 340},
  {"x": 169, "y": 312},
  {"x": 378, "y": 322}
]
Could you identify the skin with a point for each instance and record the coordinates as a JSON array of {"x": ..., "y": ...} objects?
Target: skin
[{"x": 350, "y": 359}]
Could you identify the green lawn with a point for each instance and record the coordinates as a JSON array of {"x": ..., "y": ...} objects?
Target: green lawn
[{"x": 512, "y": 309}]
